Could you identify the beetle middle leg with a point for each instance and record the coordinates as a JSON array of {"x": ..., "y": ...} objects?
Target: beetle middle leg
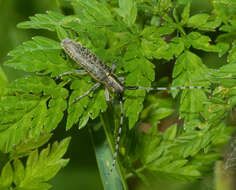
[
  {"x": 87, "y": 93},
  {"x": 114, "y": 66},
  {"x": 107, "y": 95}
]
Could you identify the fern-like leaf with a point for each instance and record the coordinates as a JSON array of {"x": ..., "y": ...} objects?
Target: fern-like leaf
[
  {"x": 28, "y": 109},
  {"x": 40, "y": 167},
  {"x": 41, "y": 55}
]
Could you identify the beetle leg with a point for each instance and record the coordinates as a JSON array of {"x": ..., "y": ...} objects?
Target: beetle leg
[
  {"x": 107, "y": 95},
  {"x": 114, "y": 66},
  {"x": 81, "y": 72},
  {"x": 87, "y": 93}
]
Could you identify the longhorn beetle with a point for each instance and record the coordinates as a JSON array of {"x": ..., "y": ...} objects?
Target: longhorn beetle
[{"x": 103, "y": 74}]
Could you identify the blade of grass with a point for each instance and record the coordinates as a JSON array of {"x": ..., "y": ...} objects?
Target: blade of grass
[{"x": 102, "y": 141}]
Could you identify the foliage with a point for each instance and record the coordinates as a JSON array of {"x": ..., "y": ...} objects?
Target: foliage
[
  {"x": 39, "y": 168},
  {"x": 142, "y": 36}
]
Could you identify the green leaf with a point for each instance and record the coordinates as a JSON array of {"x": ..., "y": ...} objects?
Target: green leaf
[
  {"x": 151, "y": 147},
  {"x": 94, "y": 13},
  {"x": 41, "y": 167},
  {"x": 189, "y": 144},
  {"x": 36, "y": 85},
  {"x": 177, "y": 156},
  {"x": 183, "y": 2},
  {"x": 204, "y": 22},
  {"x": 225, "y": 9},
  {"x": 192, "y": 103},
  {"x": 152, "y": 33},
  {"x": 201, "y": 42},
  {"x": 185, "y": 14},
  {"x": 87, "y": 106},
  {"x": 154, "y": 114},
  {"x": 164, "y": 5},
  {"x": 189, "y": 64},
  {"x": 19, "y": 171},
  {"x": 159, "y": 50},
  {"x": 154, "y": 46},
  {"x": 25, "y": 112},
  {"x": 197, "y": 20},
  {"x": 61, "y": 33},
  {"x": 16, "y": 122},
  {"x": 41, "y": 55},
  {"x": 52, "y": 21},
  {"x": 177, "y": 170},
  {"x": 229, "y": 32},
  {"x": 155, "y": 21},
  {"x": 223, "y": 48},
  {"x": 6, "y": 176},
  {"x": 49, "y": 21},
  {"x": 190, "y": 71},
  {"x": 170, "y": 133},
  {"x": 156, "y": 108},
  {"x": 128, "y": 11},
  {"x": 28, "y": 145},
  {"x": 104, "y": 155},
  {"x": 232, "y": 53},
  {"x": 141, "y": 73},
  {"x": 225, "y": 76},
  {"x": 3, "y": 81}
]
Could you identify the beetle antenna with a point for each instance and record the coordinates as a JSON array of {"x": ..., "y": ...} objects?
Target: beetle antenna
[{"x": 118, "y": 136}]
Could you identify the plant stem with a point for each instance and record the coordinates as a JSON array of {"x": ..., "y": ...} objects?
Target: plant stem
[
  {"x": 129, "y": 175},
  {"x": 224, "y": 179},
  {"x": 102, "y": 140}
]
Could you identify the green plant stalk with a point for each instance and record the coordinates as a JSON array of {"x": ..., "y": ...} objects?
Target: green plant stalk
[
  {"x": 102, "y": 141},
  {"x": 129, "y": 175},
  {"x": 224, "y": 180}
]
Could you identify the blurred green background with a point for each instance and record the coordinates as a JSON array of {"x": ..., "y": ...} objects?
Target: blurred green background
[{"x": 81, "y": 172}]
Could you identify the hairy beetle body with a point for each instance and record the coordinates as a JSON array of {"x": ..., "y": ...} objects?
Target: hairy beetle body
[{"x": 93, "y": 65}]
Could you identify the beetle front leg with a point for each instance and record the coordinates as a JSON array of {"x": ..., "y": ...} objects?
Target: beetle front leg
[
  {"x": 87, "y": 93},
  {"x": 80, "y": 72}
]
